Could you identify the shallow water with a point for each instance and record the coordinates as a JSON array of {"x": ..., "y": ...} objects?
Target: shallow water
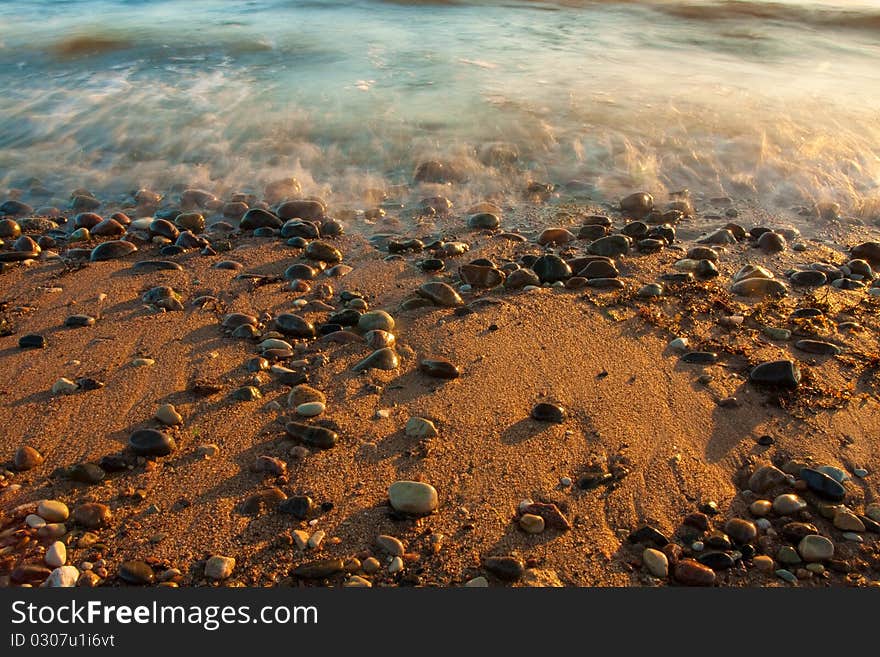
[{"x": 776, "y": 102}]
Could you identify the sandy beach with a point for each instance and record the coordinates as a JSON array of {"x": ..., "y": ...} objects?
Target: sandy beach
[{"x": 608, "y": 429}]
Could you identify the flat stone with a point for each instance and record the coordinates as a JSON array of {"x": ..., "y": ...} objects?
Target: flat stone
[
  {"x": 611, "y": 246},
  {"x": 440, "y": 294},
  {"x": 391, "y": 545},
  {"x": 823, "y": 485},
  {"x": 312, "y": 435},
  {"x": 168, "y": 415},
  {"x": 320, "y": 569},
  {"x": 815, "y": 548},
  {"x": 818, "y": 347},
  {"x": 295, "y": 326},
  {"x": 32, "y": 341},
  {"x": 848, "y": 521},
  {"x": 759, "y": 287},
  {"x": 310, "y": 409},
  {"x": 419, "y": 427},
  {"x": 481, "y": 277},
  {"x": 53, "y": 511},
  {"x": 112, "y": 250},
  {"x": 765, "y": 478},
  {"x": 375, "y": 320},
  {"x": 788, "y": 504},
  {"x": 92, "y": 515},
  {"x": 413, "y": 497},
  {"x": 63, "y": 577},
  {"x": 303, "y": 394}
]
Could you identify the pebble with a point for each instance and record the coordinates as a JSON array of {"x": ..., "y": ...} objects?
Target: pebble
[
  {"x": 168, "y": 415},
  {"x": 413, "y": 497},
  {"x": 63, "y": 577},
  {"x": 53, "y": 511},
  {"x": 815, "y": 548},
  {"x": 508, "y": 569},
  {"x": 788, "y": 504},
  {"x": 112, "y": 250},
  {"x": 873, "y": 511},
  {"x": 611, "y": 246},
  {"x": 550, "y": 269},
  {"x": 693, "y": 573},
  {"x": 439, "y": 368},
  {"x": 419, "y": 427},
  {"x": 320, "y": 569},
  {"x": 299, "y": 506},
  {"x": 143, "y": 362},
  {"x": 764, "y": 564},
  {"x": 26, "y": 458},
  {"x": 246, "y": 394},
  {"x": 219, "y": 567},
  {"x": 136, "y": 572},
  {"x": 848, "y": 521},
  {"x": 64, "y": 386},
  {"x": 312, "y": 435},
  {"x": 477, "y": 583},
  {"x": 823, "y": 484},
  {"x": 741, "y": 531},
  {"x": 656, "y": 562},
  {"x": 92, "y": 515},
  {"x": 548, "y": 412},
  {"x": 151, "y": 442},
  {"x": 32, "y": 341},
  {"x": 780, "y": 373},
  {"x": 316, "y": 539},
  {"x": 760, "y": 508},
  {"x": 375, "y": 320},
  {"x": 786, "y": 575},
  {"x": 310, "y": 409},
  {"x": 381, "y": 359},
  {"x": 440, "y": 294},
  {"x": 759, "y": 287},
  {"x": 531, "y": 523},
  {"x": 207, "y": 451},
  {"x": 766, "y": 477},
  {"x": 371, "y": 565}
]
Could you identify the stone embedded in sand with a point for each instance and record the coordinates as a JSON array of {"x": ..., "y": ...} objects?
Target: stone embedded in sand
[
  {"x": 611, "y": 246},
  {"x": 480, "y": 276},
  {"x": 219, "y": 567},
  {"x": 809, "y": 278},
  {"x": 27, "y": 458},
  {"x": 381, "y": 359},
  {"x": 379, "y": 339},
  {"x": 112, "y": 250},
  {"x": 320, "y": 569},
  {"x": 234, "y": 320},
  {"x": 484, "y": 220},
  {"x": 521, "y": 278},
  {"x": 419, "y": 427},
  {"x": 551, "y": 268},
  {"x": 819, "y": 347},
  {"x": 151, "y": 442},
  {"x": 168, "y": 415},
  {"x": 86, "y": 473},
  {"x": 156, "y": 265},
  {"x": 765, "y": 478},
  {"x": 32, "y": 341},
  {"x": 312, "y": 435},
  {"x": 548, "y": 412},
  {"x": 637, "y": 204},
  {"x": 295, "y": 326},
  {"x": 92, "y": 515},
  {"x": 18, "y": 256},
  {"x": 822, "y": 484},
  {"x": 553, "y": 517},
  {"x": 778, "y": 373},
  {"x": 375, "y": 320},
  {"x": 814, "y": 548},
  {"x": 599, "y": 268},
  {"x": 75, "y": 321},
  {"x": 269, "y": 465},
  {"x": 700, "y": 357},
  {"x": 720, "y": 236},
  {"x": 298, "y": 228},
  {"x": 440, "y": 294},
  {"x": 191, "y": 221},
  {"x": 299, "y": 506},
  {"x": 257, "y": 218},
  {"x": 439, "y": 368},
  {"x": 759, "y": 287},
  {"x": 413, "y": 497},
  {"x": 507, "y": 569},
  {"x": 869, "y": 251},
  {"x": 136, "y": 572},
  {"x": 555, "y": 236},
  {"x": 246, "y": 394},
  {"x": 303, "y": 394},
  {"x": 771, "y": 242},
  {"x": 308, "y": 210}
]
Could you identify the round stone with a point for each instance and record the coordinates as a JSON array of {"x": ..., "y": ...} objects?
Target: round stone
[
  {"x": 413, "y": 497},
  {"x": 741, "y": 531},
  {"x": 136, "y": 572},
  {"x": 375, "y": 320},
  {"x": 27, "y": 458},
  {"x": 92, "y": 515},
  {"x": 815, "y": 548},
  {"x": 693, "y": 573},
  {"x": 551, "y": 268},
  {"x": 788, "y": 504},
  {"x": 440, "y": 294},
  {"x": 151, "y": 442},
  {"x": 548, "y": 412},
  {"x": 112, "y": 250},
  {"x": 760, "y": 508}
]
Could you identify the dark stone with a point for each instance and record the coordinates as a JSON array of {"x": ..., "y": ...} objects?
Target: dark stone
[
  {"x": 809, "y": 278},
  {"x": 15, "y": 208},
  {"x": 112, "y": 250},
  {"x": 312, "y": 435},
  {"x": 692, "y": 573},
  {"x": 151, "y": 442},
  {"x": 648, "y": 534},
  {"x": 300, "y": 271},
  {"x": 484, "y": 220},
  {"x": 439, "y": 368},
  {"x": 611, "y": 246},
  {"x": 300, "y": 228},
  {"x": 29, "y": 573},
  {"x": 260, "y": 218},
  {"x": 716, "y": 560},
  {"x": 75, "y": 321},
  {"x": 156, "y": 265},
  {"x": 698, "y": 520},
  {"x": 320, "y": 569},
  {"x": 779, "y": 373},
  {"x": 507, "y": 569},
  {"x": 299, "y": 506},
  {"x": 700, "y": 357},
  {"x": 32, "y": 341},
  {"x": 551, "y": 268},
  {"x": 294, "y": 325},
  {"x": 794, "y": 532},
  {"x": 308, "y": 210},
  {"x": 86, "y": 473},
  {"x": 18, "y": 256},
  {"x": 136, "y": 572},
  {"x": 819, "y": 347},
  {"x": 823, "y": 485},
  {"x": 548, "y": 412}
]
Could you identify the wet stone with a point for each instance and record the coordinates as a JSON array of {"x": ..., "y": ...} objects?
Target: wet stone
[
  {"x": 780, "y": 373},
  {"x": 440, "y": 294},
  {"x": 693, "y": 573},
  {"x": 136, "y": 572},
  {"x": 823, "y": 485},
  {"x": 551, "y": 268},
  {"x": 150, "y": 442},
  {"x": 299, "y": 506},
  {"x": 381, "y": 359}
]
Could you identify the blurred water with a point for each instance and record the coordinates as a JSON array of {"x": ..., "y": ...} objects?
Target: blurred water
[{"x": 772, "y": 101}]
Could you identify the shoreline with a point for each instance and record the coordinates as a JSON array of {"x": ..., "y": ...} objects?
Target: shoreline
[{"x": 646, "y": 438}]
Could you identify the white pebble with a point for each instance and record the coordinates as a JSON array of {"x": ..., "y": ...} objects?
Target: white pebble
[
  {"x": 697, "y": 546},
  {"x": 565, "y": 482},
  {"x": 34, "y": 521},
  {"x": 56, "y": 555}
]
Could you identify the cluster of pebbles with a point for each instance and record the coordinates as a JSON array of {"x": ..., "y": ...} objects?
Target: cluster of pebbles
[{"x": 793, "y": 524}]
